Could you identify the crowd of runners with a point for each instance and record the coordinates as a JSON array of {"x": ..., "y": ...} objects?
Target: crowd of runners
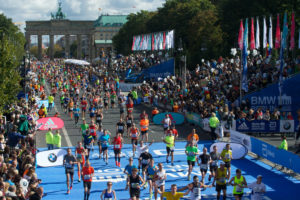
[{"x": 83, "y": 98}]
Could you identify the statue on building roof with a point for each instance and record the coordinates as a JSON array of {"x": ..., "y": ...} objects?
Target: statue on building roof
[{"x": 59, "y": 15}]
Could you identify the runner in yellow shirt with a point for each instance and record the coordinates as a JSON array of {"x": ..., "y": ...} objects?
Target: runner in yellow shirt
[
  {"x": 173, "y": 195},
  {"x": 226, "y": 156}
]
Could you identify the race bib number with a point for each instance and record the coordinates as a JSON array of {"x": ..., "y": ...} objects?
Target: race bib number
[
  {"x": 197, "y": 192},
  {"x": 107, "y": 198},
  {"x": 144, "y": 161},
  {"x": 92, "y": 130},
  {"x": 121, "y": 128},
  {"x": 134, "y": 185},
  {"x": 134, "y": 135},
  {"x": 222, "y": 180},
  {"x": 227, "y": 156},
  {"x": 239, "y": 189},
  {"x": 214, "y": 163},
  {"x": 98, "y": 118},
  {"x": 128, "y": 121},
  {"x": 118, "y": 146},
  {"x": 203, "y": 166},
  {"x": 87, "y": 177},
  {"x": 191, "y": 154},
  {"x": 68, "y": 165}
]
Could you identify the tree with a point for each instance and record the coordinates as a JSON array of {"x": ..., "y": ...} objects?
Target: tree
[{"x": 12, "y": 43}]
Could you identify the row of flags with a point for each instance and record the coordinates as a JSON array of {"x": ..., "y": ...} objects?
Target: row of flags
[
  {"x": 280, "y": 42},
  {"x": 154, "y": 41},
  {"x": 267, "y": 40}
]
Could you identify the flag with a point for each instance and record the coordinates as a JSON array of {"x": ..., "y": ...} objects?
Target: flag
[
  {"x": 252, "y": 41},
  {"x": 241, "y": 33},
  {"x": 257, "y": 40},
  {"x": 164, "y": 41},
  {"x": 265, "y": 34},
  {"x": 133, "y": 44},
  {"x": 282, "y": 47},
  {"x": 277, "y": 36},
  {"x": 292, "y": 42},
  {"x": 153, "y": 42},
  {"x": 270, "y": 33},
  {"x": 244, "y": 61}
]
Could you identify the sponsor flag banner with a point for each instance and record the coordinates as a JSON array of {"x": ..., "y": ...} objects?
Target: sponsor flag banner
[
  {"x": 241, "y": 35},
  {"x": 265, "y": 34},
  {"x": 244, "y": 61},
  {"x": 277, "y": 36},
  {"x": 252, "y": 41},
  {"x": 292, "y": 41},
  {"x": 257, "y": 39},
  {"x": 50, "y": 122},
  {"x": 270, "y": 33},
  {"x": 238, "y": 150},
  {"x": 240, "y": 138},
  {"x": 50, "y": 158},
  {"x": 133, "y": 44}
]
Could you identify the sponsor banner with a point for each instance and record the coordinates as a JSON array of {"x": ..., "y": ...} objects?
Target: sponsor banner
[
  {"x": 50, "y": 122},
  {"x": 279, "y": 156},
  {"x": 194, "y": 118},
  {"x": 238, "y": 150},
  {"x": 263, "y": 126},
  {"x": 50, "y": 158},
  {"x": 240, "y": 138},
  {"x": 127, "y": 87},
  {"x": 161, "y": 70},
  {"x": 269, "y": 97},
  {"x": 175, "y": 117},
  {"x": 45, "y": 102}
]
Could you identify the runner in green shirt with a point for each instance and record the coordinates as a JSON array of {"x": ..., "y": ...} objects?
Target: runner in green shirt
[
  {"x": 84, "y": 127},
  {"x": 191, "y": 152}
]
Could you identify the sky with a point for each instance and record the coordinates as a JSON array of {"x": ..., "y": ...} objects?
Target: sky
[{"x": 23, "y": 10}]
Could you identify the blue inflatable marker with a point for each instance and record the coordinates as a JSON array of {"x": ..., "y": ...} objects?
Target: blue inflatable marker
[{"x": 175, "y": 117}]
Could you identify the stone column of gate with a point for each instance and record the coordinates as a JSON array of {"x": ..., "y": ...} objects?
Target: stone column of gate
[
  {"x": 28, "y": 41},
  {"x": 91, "y": 42},
  {"x": 79, "y": 49},
  {"x": 40, "y": 43},
  {"x": 51, "y": 47},
  {"x": 67, "y": 46}
]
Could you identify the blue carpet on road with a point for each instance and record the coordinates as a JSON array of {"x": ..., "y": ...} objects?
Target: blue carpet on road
[{"x": 279, "y": 185}]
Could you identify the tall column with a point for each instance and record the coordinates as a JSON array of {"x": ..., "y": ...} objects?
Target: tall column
[
  {"x": 28, "y": 41},
  {"x": 91, "y": 42},
  {"x": 51, "y": 47},
  {"x": 40, "y": 43},
  {"x": 79, "y": 49},
  {"x": 67, "y": 46}
]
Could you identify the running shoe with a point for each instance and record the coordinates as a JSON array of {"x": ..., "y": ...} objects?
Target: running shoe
[
  {"x": 68, "y": 192},
  {"x": 71, "y": 187},
  {"x": 151, "y": 195}
]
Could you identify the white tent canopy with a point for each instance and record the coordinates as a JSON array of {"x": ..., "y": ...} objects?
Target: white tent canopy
[{"x": 77, "y": 62}]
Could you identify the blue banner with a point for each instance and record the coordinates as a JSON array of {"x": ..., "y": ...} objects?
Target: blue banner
[
  {"x": 176, "y": 118},
  {"x": 279, "y": 156},
  {"x": 269, "y": 97},
  {"x": 160, "y": 71},
  {"x": 258, "y": 126},
  {"x": 194, "y": 118}
]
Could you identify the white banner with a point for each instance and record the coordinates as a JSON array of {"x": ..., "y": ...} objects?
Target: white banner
[
  {"x": 51, "y": 158},
  {"x": 240, "y": 138},
  {"x": 287, "y": 126},
  {"x": 126, "y": 87}
]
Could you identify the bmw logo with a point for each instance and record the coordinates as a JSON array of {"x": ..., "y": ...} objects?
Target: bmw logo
[
  {"x": 52, "y": 157},
  {"x": 287, "y": 125}
]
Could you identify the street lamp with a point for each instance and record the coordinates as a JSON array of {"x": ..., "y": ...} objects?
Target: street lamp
[{"x": 183, "y": 60}]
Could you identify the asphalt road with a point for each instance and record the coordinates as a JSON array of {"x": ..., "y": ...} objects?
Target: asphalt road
[{"x": 71, "y": 134}]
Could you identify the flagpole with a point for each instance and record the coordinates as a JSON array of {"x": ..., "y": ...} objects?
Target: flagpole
[{"x": 241, "y": 76}]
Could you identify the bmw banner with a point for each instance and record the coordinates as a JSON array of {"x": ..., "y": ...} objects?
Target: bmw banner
[{"x": 50, "y": 158}]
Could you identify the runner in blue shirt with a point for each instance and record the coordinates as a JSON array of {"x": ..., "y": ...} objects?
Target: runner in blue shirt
[
  {"x": 76, "y": 111},
  {"x": 105, "y": 138}
]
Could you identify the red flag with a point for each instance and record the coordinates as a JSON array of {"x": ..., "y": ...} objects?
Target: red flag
[
  {"x": 153, "y": 42},
  {"x": 164, "y": 41},
  {"x": 292, "y": 42},
  {"x": 277, "y": 37},
  {"x": 133, "y": 43},
  {"x": 252, "y": 42},
  {"x": 241, "y": 35}
]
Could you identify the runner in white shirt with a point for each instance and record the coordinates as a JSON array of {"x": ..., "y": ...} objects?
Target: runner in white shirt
[
  {"x": 143, "y": 147},
  {"x": 195, "y": 188},
  {"x": 258, "y": 189},
  {"x": 166, "y": 122},
  {"x": 160, "y": 177}
]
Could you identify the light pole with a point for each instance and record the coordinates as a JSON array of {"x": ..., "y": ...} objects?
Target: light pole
[{"x": 183, "y": 67}]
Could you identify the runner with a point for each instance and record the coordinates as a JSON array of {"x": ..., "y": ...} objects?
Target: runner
[
  {"x": 87, "y": 174},
  {"x": 128, "y": 170},
  {"x": 80, "y": 156},
  {"x": 173, "y": 195},
  {"x": 144, "y": 160},
  {"x": 118, "y": 141},
  {"x": 226, "y": 156},
  {"x": 213, "y": 166},
  {"x": 108, "y": 193},
  {"x": 191, "y": 152},
  {"x": 144, "y": 123},
  {"x": 84, "y": 128},
  {"x": 151, "y": 169},
  {"x": 129, "y": 122},
  {"x": 83, "y": 106},
  {"x": 71, "y": 107},
  {"x": 120, "y": 127},
  {"x": 195, "y": 188},
  {"x": 134, "y": 181},
  {"x": 68, "y": 162},
  {"x": 170, "y": 145},
  {"x": 160, "y": 177},
  {"x": 220, "y": 179},
  {"x": 122, "y": 105},
  {"x": 92, "y": 130},
  {"x": 154, "y": 112},
  {"x": 76, "y": 111},
  {"x": 134, "y": 134},
  {"x": 105, "y": 138},
  {"x": 129, "y": 106},
  {"x": 258, "y": 189},
  {"x": 174, "y": 131},
  {"x": 204, "y": 159},
  {"x": 99, "y": 117},
  {"x": 166, "y": 122},
  {"x": 99, "y": 133},
  {"x": 239, "y": 183},
  {"x": 88, "y": 144},
  {"x": 193, "y": 138}
]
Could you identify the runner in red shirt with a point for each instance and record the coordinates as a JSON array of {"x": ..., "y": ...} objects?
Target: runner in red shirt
[
  {"x": 80, "y": 154},
  {"x": 92, "y": 129},
  {"x": 87, "y": 176},
  {"x": 129, "y": 106},
  {"x": 118, "y": 140},
  {"x": 174, "y": 131},
  {"x": 83, "y": 106},
  {"x": 134, "y": 134}
]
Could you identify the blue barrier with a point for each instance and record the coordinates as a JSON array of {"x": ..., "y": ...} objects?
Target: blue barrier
[
  {"x": 194, "y": 118},
  {"x": 279, "y": 156},
  {"x": 175, "y": 117},
  {"x": 45, "y": 102},
  {"x": 261, "y": 126}
]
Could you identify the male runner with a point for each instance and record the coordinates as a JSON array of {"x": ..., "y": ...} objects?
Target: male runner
[
  {"x": 170, "y": 145},
  {"x": 191, "y": 151},
  {"x": 144, "y": 123},
  {"x": 134, "y": 134},
  {"x": 204, "y": 159},
  {"x": 226, "y": 156},
  {"x": 87, "y": 175},
  {"x": 134, "y": 181},
  {"x": 213, "y": 166},
  {"x": 220, "y": 179},
  {"x": 68, "y": 162}
]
